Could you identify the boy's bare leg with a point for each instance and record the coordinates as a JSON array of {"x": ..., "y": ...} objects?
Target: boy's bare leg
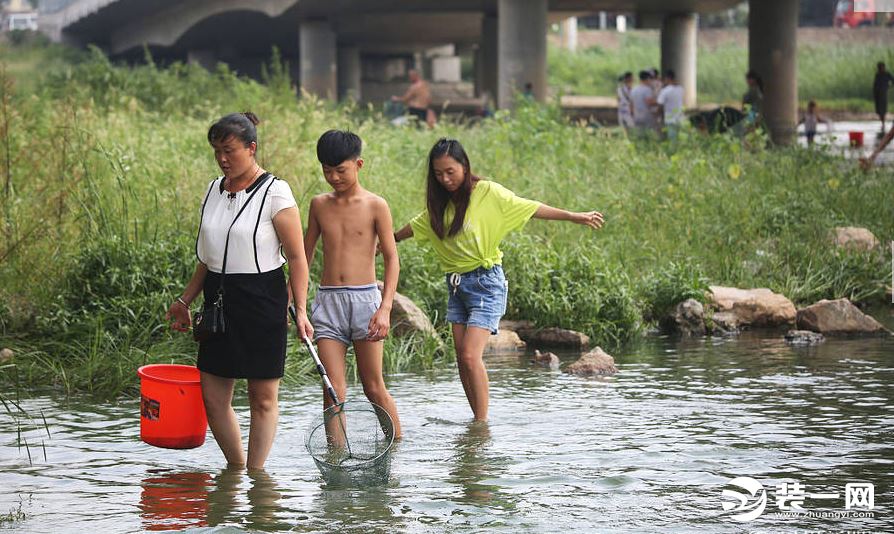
[
  {"x": 332, "y": 356},
  {"x": 263, "y": 400},
  {"x": 217, "y": 394},
  {"x": 470, "y": 342},
  {"x": 369, "y": 364}
]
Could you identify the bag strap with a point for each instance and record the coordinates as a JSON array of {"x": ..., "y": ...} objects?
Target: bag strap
[{"x": 223, "y": 271}]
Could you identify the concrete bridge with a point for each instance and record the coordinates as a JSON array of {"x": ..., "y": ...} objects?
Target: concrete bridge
[{"x": 329, "y": 37}]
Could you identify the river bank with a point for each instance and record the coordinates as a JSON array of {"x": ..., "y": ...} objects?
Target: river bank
[{"x": 110, "y": 164}]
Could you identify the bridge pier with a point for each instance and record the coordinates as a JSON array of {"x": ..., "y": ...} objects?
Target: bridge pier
[
  {"x": 317, "y": 51},
  {"x": 486, "y": 73},
  {"x": 521, "y": 51},
  {"x": 348, "y": 73},
  {"x": 678, "y": 51},
  {"x": 772, "y": 53}
]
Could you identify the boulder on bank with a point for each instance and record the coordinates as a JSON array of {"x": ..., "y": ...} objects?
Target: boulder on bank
[
  {"x": 516, "y": 325},
  {"x": 803, "y": 337},
  {"x": 555, "y": 337},
  {"x": 6, "y": 355},
  {"x": 595, "y": 362},
  {"x": 760, "y": 307},
  {"x": 838, "y": 317},
  {"x": 504, "y": 341},
  {"x": 407, "y": 318},
  {"x": 546, "y": 359},
  {"x": 854, "y": 238},
  {"x": 686, "y": 319}
]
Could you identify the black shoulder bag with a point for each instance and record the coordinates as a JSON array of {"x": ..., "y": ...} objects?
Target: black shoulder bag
[{"x": 211, "y": 322}]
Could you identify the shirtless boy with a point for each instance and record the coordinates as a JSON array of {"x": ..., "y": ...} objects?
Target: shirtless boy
[{"x": 348, "y": 308}]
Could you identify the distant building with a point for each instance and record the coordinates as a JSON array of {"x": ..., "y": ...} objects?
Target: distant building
[{"x": 18, "y": 15}]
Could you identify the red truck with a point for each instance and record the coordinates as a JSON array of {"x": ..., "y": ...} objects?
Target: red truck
[{"x": 858, "y": 13}]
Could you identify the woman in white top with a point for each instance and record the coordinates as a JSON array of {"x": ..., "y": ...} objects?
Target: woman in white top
[{"x": 248, "y": 217}]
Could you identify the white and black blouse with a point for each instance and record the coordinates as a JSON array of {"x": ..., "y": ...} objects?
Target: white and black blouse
[{"x": 254, "y": 246}]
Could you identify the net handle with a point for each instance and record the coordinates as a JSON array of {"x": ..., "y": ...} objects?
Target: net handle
[{"x": 313, "y": 352}]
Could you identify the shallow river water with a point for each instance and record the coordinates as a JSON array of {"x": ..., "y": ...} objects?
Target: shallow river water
[{"x": 649, "y": 450}]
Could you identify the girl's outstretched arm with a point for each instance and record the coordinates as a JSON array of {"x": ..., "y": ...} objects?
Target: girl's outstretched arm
[{"x": 593, "y": 219}]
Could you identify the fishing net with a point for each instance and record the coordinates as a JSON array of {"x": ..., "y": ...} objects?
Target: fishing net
[{"x": 351, "y": 443}]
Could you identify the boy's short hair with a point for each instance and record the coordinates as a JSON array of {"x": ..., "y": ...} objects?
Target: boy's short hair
[
  {"x": 670, "y": 74},
  {"x": 645, "y": 75},
  {"x": 337, "y": 146}
]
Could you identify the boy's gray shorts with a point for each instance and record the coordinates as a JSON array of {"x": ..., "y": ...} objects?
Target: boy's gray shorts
[{"x": 343, "y": 313}]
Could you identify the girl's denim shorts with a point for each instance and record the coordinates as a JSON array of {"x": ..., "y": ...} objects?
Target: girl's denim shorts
[{"x": 477, "y": 298}]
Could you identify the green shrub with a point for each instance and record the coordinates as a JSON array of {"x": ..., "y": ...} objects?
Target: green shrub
[
  {"x": 570, "y": 288},
  {"x": 123, "y": 286},
  {"x": 669, "y": 285}
]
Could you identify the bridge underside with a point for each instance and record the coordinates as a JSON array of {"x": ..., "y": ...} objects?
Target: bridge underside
[{"x": 335, "y": 45}]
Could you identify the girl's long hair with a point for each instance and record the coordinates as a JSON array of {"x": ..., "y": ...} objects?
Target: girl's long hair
[{"x": 437, "y": 197}]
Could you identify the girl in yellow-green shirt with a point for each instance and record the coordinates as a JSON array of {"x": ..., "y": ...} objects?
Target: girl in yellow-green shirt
[{"x": 465, "y": 219}]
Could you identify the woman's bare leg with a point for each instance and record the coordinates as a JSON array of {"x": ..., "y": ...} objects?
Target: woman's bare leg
[
  {"x": 217, "y": 394},
  {"x": 263, "y": 399}
]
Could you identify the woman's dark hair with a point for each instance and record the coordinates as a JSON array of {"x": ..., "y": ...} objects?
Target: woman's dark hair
[
  {"x": 337, "y": 146},
  {"x": 437, "y": 197},
  {"x": 238, "y": 125},
  {"x": 757, "y": 79}
]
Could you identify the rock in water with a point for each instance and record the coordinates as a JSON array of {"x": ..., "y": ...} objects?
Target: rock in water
[
  {"x": 803, "y": 337},
  {"x": 838, "y": 317},
  {"x": 752, "y": 307},
  {"x": 546, "y": 359},
  {"x": 595, "y": 362},
  {"x": 504, "y": 341},
  {"x": 687, "y": 319},
  {"x": 555, "y": 337}
]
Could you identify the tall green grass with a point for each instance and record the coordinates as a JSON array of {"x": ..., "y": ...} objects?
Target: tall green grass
[{"x": 108, "y": 164}]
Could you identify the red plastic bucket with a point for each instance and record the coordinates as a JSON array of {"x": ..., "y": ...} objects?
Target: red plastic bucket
[
  {"x": 172, "y": 414},
  {"x": 855, "y": 138}
]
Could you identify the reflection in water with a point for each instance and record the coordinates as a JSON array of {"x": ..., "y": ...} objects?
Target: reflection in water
[
  {"x": 172, "y": 500},
  {"x": 264, "y": 502},
  {"x": 223, "y": 500},
  {"x": 471, "y": 464},
  {"x": 342, "y": 506},
  {"x": 475, "y": 468}
]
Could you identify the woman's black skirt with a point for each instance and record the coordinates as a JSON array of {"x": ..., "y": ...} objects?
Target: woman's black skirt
[{"x": 255, "y": 310}]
